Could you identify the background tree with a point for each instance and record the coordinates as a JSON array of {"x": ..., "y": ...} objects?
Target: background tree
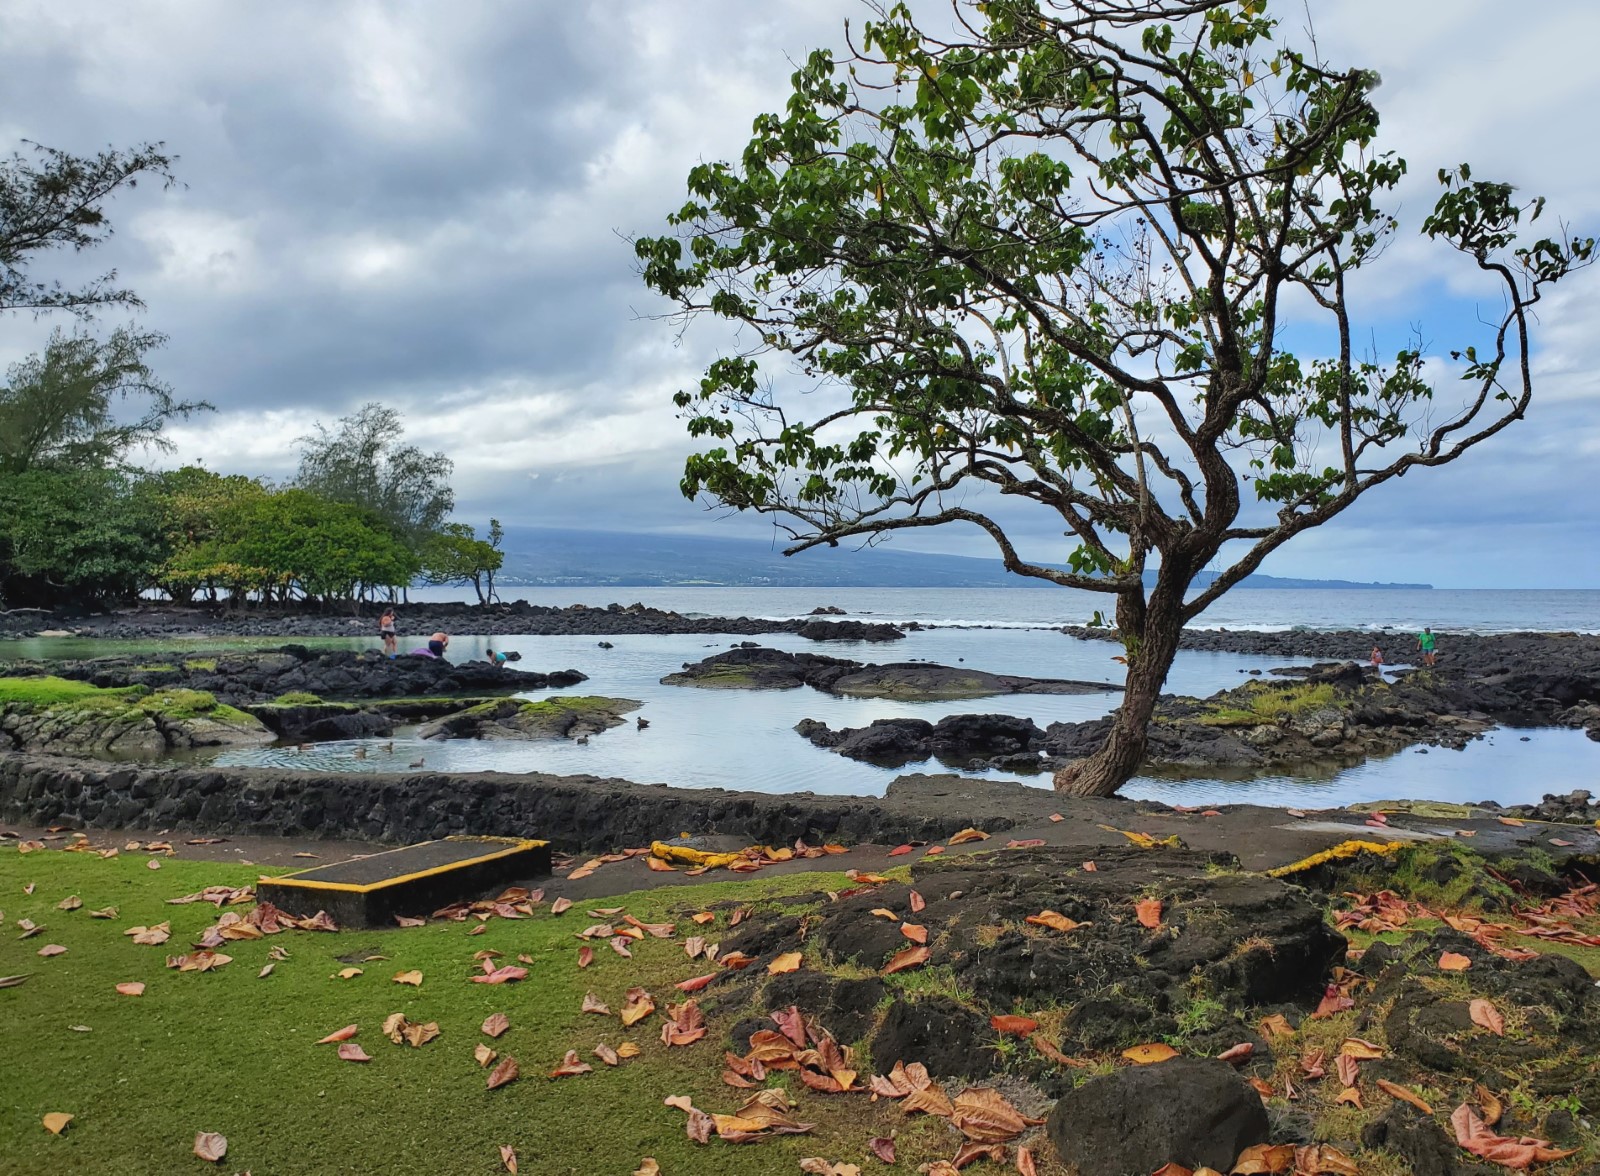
[
  {"x": 61, "y": 408},
  {"x": 362, "y": 462},
  {"x": 75, "y": 536},
  {"x": 300, "y": 542},
  {"x": 455, "y": 555},
  {"x": 1051, "y": 257}
]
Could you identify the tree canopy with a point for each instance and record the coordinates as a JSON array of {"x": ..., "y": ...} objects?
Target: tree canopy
[{"x": 1052, "y": 256}]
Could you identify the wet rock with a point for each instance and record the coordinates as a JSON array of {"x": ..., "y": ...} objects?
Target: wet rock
[
  {"x": 517, "y": 719},
  {"x": 849, "y": 631},
  {"x": 1189, "y": 1111},
  {"x": 944, "y": 1035}
]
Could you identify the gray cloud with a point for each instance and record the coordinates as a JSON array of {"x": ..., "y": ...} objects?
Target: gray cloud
[{"x": 425, "y": 204}]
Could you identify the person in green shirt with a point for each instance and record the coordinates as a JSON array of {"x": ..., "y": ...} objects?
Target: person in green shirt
[{"x": 1425, "y": 643}]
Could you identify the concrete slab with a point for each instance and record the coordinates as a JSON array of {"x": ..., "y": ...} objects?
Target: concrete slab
[{"x": 369, "y": 891}]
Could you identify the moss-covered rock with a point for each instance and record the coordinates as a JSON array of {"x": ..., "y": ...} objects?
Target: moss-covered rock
[
  {"x": 561, "y": 717},
  {"x": 57, "y": 715}
]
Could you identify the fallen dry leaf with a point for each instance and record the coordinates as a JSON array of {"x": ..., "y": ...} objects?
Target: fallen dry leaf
[
  {"x": 627, "y": 1050},
  {"x": 1473, "y": 1135},
  {"x": 1349, "y": 1069},
  {"x": 131, "y": 988},
  {"x": 1492, "y": 1106},
  {"x": 14, "y": 981},
  {"x": 1356, "y": 1047},
  {"x": 593, "y": 1004},
  {"x": 1265, "y": 1158},
  {"x": 607, "y": 1055},
  {"x": 1485, "y": 1014},
  {"x": 917, "y": 902},
  {"x": 639, "y": 1006},
  {"x": 344, "y": 1034},
  {"x": 418, "y": 1036},
  {"x": 914, "y": 932},
  {"x": 483, "y": 1055},
  {"x": 1148, "y": 911},
  {"x": 51, "y": 949},
  {"x": 882, "y": 1147},
  {"x": 1454, "y": 962},
  {"x": 208, "y": 1145},
  {"x": 968, "y": 834},
  {"x": 1276, "y": 1025},
  {"x": 413, "y": 978},
  {"x": 1025, "y": 1165},
  {"x": 349, "y": 1051},
  {"x": 109, "y": 912},
  {"x": 495, "y": 1024},
  {"x": 695, "y": 983},
  {"x": 266, "y": 970},
  {"x": 684, "y": 1025},
  {"x": 508, "y": 1158},
  {"x": 1150, "y": 1053},
  {"x": 1395, "y": 1090},
  {"x": 1020, "y": 1026},
  {"x": 983, "y": 1115},
  {"x": 1350, "y": 1096},
  {"x": 1323, "y": 1159},
  {"x": 71, "y": 903},
  {"x": 505, "y": 1072},
  {"x": 647, "y": 1167},
  {"x": 789, "y": 961},
  {"x": 56, "y": 1122},
  {"x": 349, "y": 973},
  {"x": 1512, "y": 821},
  {"x": 571, "y": 1065},
  {"x": 1054, "y": 920},
  {"x": 1238, "y": 1053},
  {"x": 911, "y": 957}
]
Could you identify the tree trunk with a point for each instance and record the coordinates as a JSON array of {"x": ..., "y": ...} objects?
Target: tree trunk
[{"x": 1118, "y": 758}]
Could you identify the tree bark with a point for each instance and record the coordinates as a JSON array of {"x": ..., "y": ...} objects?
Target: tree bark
[{"x": 1118, "y": 758}]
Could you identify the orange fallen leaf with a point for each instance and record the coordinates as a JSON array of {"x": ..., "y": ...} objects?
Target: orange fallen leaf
[
  {"x": 505, "y": 1072},
  {"x": 966, "y": 835},
  {"x": 508, "y": 1158},
  {"x": 789, "y": 961},
  {"x": 349, "y": 1051},
  {"x": 1485, "y": 1014},
  {"x": 917, "y": 902},
  {"x": 1171, "y": 1169},
  {"x": 1237, "y": 1053},
  {"x": 1265, "y": 1158},
  {"x": 344, "y": 1034},
  {"x": 131, "y": 988},
  {"x": 593, "y": 1004},
  {"x": 1054, "y": 920},
  {"x": 495, "y": 1024},
  {"x": 901, "y": 849},
  {"x": 1512, "y": 821},
  {"x": 639, "y": 1006},
  {"x": 655, "y": 864},
  {"x": 1492, "y": 1106},
  {"x": 1473, "y": 1135},
  {"x": 56, "y": 1122},
  {"x": 1089, "y": 867},
  {"x": 695, "y": 983},
  {"x": 208, "y": 1145},
  {"x": 1361, "y": 1049},
  {"x": 1454, "y": 962},
  {"x": 413, "y": 978},
  {"x": 627, "y": 1050},
  {"x": 703, "y": 918},
  {"x": 1276, "y": 1025},
  {"x": 571, "y": 1065},
  {"x": 911, "y": 957},
  {"x": 52, "y": 949},
  {"x": 647, "y": 1167},
  {"x": 560, "y": 906},
  {"x": 585, "y": 956},
  {"x": 914, "y": 932},
  {"x": 1025, "y": 1164},
  {"x": 349, "y": 973},
  {"x": 1350, "y": 1096},
  {"x": 1020, "y": 1026},
  {"x": 1148, "y": 1054},
  {"x": 934, "y": 851},
  {"x": 883, "y": 913},
  {"x": 419, "y": 1035},
  {"x": 1349, "y": 1069},
  {"x": 1148, "y": 911},
  {"x": 1395, "y": 1090},
  {"x": 1261, "y": 1087},
  {"x": 483, "y": 1055}
]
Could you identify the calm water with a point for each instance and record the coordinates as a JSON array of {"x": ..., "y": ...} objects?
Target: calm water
[{"x": 745, "y": 739}]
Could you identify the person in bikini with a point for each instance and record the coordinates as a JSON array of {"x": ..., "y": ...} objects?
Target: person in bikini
[{"x": 390, "y": 635}]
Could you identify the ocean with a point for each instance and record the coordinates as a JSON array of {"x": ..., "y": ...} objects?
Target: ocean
[{"x": 745, "y": 739}]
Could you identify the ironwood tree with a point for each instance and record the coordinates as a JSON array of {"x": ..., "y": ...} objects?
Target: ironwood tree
[{"x": 1050, "y": 253}]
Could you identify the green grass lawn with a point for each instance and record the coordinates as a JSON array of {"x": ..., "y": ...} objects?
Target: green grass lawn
[{"x": 229, "y": 1052}]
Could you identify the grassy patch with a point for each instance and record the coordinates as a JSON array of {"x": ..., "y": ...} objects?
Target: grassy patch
[
  {"x": 226, "y": 1051},
  {"x": 297, "y": 698},
  {"x": 48, "y": 691},
  {"x": 1258, "y": 703},
  {"x": 200, "y": 663}
]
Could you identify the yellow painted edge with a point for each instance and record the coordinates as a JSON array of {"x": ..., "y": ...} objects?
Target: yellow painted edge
[
  {"x": 1345, "y": 849},
  {"x": 369, "y": 887}
]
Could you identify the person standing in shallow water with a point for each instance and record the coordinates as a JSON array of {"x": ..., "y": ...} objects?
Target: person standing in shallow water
[
  {"x": 1377, "y": 660},
  {"x": 390, "y": 635},
  {"x": 1426, "y": 641}
]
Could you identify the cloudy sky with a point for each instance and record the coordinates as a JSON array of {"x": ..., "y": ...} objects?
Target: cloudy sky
[{"x": 427, "y": 205}]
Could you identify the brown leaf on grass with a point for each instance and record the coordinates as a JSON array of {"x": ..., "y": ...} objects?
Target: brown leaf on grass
[
  {"x": 1349, "y": 1069},
  {"x": 152, "y": 864},
  {"x": 1148, "y": 911},
  {"x": 684, "y": 1025},
  {"x": 930, "y": 1100},
  {"x": 1053, "y": 920},
  {"x": 1361, "y": 1049},
  {"x": 71, "y": 903},
  {"x": 413, "y": 978},
  {"x": 983, "y": 1115},
  {"x": 131, "y": 988},
  {"x": 56, "y": 1122},
  {"x": 1050, "y": 1051},
  {"x": 735, "y": 960},
  {"x": 607, "y": 1055},
  {"x": 695, "y": 983},
  {"x": 793, "y": 1025},
  {"x": 409, "y": 921},
  {"x": 483, "y": 1055},
  {"x": 882, "y": 1147},
  {"x": 1025, "y": 1165},
  {"x": 1007, "y": 1023},
  {"x": 109, "y": 912},
  {"x": 739, "y": 915},
  {"x": 1492, "y": 1106},
  {"x": 1265, "y": 1158},
  {"x": 1150, "y": 1053},
  {"x": 505, "y": 1072},
  {"x": 619, "y": 944},
  {"x": 1238, "y": 1053},
  {"x": 789, "y": 961},
  {"x": 508, "y": 1158},
  {"x": 29, "y": 928},
  {"x": 1452, "y": 961},
  {"x": 344, "y": 1034},
  {"x": 14, "y": 981},
  {"x": 349, "y": 1051},
  {"x": 694, "y": 947},
  {"x": 639, "y": 1006},
  {"x": 703, "y": 918},
  {"x": 505, "y": 975},
  {"x": 394, "y": 1027},
  {"x": 1473, "y": 1135},
  {"x": 349, "y": 973},
  {"x": 627, "y": 1049},
  {"x": 971, "y": 1152},
  {"x": 479, "y": 929},
  {"x": 495, "y": 1024},
  {"x": 51, "y": 949},
  {"x": 560, "y": 906},
  {"x": 266, "y": 970},
  {"x": 1323, "y": 1159},
  {"x": 1485, "y": 1014},
  {"x": 150, "y": 936},
  {"x": 911, "y": 957},
  {"x": 647, "y": 1167},
  {"x": 966, "y": 835},
  {"x": 1333, "y": 1001},
  {"x": 419, "y": 1035},
  {"x": 1261, "y": 1087},
  {"x": 1350, "y": 1096},
  {"x": 571, "y": 1065},
  {"x": 1276, "y": 1025},
  {"x": 593, "y": 1004},
  {"x": 208, "y": 1145},
  {"x": 585, "y": 956},
  {"x": 1395, "y": 1090},
  {"x": 914, "y": 932}
]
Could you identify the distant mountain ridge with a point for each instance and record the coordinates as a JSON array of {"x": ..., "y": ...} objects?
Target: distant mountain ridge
[{"x": 556, "y": 557}]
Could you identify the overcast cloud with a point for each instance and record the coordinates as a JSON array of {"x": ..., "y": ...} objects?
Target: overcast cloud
[{"x": 426, "y": 204}]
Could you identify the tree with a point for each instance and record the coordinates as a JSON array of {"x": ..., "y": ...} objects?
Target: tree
[
  {"x": 327, "y": 550},
  {"x": 60, "y": 408},
  {"x": 74, "y": 536},
  {"x": 1051, "y": 258},
  {"x": 52, "y": 200},
  {"x": 363, "y": 463},
  {"x": 199, "y": 514},
  {"x": 455, "y": 555}
]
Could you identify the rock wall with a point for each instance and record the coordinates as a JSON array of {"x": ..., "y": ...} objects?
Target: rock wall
[{"x": 576, "y": 813}]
